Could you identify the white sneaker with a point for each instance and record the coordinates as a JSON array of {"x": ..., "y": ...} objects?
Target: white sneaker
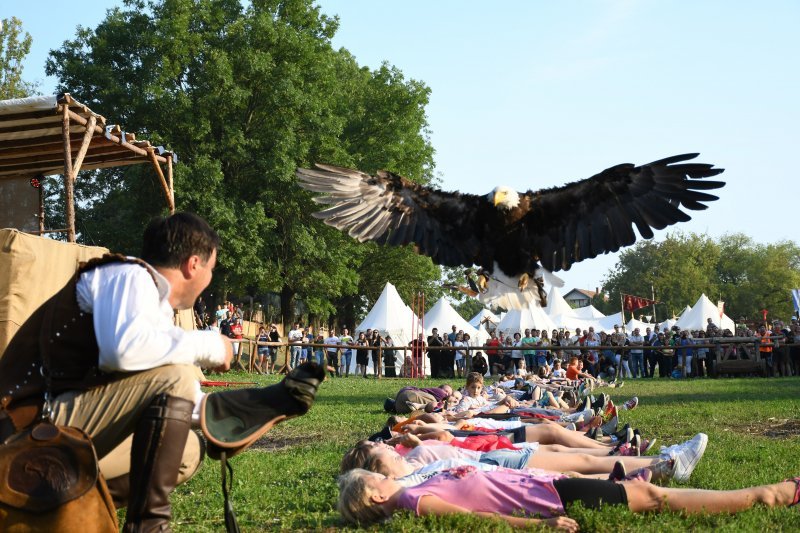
[{"x": 687, "y": 456}]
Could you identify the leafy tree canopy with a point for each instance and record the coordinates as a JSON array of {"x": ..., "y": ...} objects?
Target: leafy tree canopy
[
  {"x": 14, "y": 46},
  {"x": 746, "y": 275},
  {"x": 244, "y": 94}
]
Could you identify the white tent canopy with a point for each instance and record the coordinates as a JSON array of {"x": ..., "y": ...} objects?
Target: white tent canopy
[
  {"x": 557, "y": 305},
  {"x": 589, "y": 312},
  {"x": 633, "y": 324},
  {"x": 697, "y": 317},
  {"x": 391, "y": 316},
  {"x": 442, "y": 316},
  {"x": 518, "y": 320}
]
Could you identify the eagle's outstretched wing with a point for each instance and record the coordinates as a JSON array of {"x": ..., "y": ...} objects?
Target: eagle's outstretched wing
[
  {"x": 594, "y": 216},
  {"x": 389, "y": 209}
]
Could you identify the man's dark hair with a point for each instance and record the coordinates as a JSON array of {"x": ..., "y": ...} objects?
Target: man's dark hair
[{"x": 169, "y": 241}]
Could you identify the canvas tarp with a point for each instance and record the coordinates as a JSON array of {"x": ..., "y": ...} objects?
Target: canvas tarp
[
  {"x": 484, "y": 315},
  {"x": 589, "y": 312}
]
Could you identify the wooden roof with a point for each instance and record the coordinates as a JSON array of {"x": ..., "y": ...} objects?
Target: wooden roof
[
  {"x": 31, "y": 138},
  {"x": 37, "y": 133}
]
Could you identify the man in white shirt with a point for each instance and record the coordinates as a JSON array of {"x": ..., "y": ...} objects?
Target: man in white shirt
[
  {"x": 295, "y": 338},
  {"x": 333, "y": 352},
  {"x": 117, "y": 365}
]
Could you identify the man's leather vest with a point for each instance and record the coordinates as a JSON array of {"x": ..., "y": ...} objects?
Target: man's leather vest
[{"x": 64, "y": 334}]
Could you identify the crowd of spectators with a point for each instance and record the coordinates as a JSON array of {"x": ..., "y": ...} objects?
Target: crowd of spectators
[{"x": 656, "y": 352}]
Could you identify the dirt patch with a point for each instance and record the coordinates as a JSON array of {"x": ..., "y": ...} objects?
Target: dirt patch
[
  {"x": 269, "y": 444},
  {"x": 782, "y": 429}
]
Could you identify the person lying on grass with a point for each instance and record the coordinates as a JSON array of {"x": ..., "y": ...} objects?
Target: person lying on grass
[
  {"x": 366, "y": 497},
  {"x": 676, "y": 462}
]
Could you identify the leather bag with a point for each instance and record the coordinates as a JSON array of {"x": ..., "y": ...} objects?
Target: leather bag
[{"x": 50, "y": 481}]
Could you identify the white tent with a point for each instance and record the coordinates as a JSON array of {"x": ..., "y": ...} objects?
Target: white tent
[
  {"x": 442, "y": 316},
  {"x": 667, "y": 324},
  {"x": 607, "y": 324},
  {"x": 391, "y": 316},
  {"x": 589, "y": 312},
  {"x": 686, "y": 310},
  {"x": 697, "y": 317},
  {"x": 484, "y": 313},
  {"x": 518, "y": 320},
  {"x": 557, "y": 305},
  {"x": 481, "y": 338},
  {"x": 633, "y": 324}
]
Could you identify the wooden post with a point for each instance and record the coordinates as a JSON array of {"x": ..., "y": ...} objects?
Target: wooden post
[
  {"x": 87, "y": 140},
  {"x": 170, "y": 183},
  {"x": 167, "y": 193},
  {"x": 69, "y": 190},
  {"x": 41, "y": 207}
]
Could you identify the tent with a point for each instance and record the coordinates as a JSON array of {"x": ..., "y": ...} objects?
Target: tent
[
  {"x": 607, "y": 324},
  {"x": 589, "y": 312},
  {"x": 518, "y": 320},
  {"x": 443, "y": 316},
  {"x": 391, "y": 316},
  {"x": 484, "y": 314},
  {"x": 557, "y": 305},
  {"x": 697, "y": 317}
]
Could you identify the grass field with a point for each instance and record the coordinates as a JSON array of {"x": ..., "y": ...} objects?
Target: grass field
[{"x": 286, "y": 482}]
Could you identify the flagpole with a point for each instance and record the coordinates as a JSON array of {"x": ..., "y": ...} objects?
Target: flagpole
[
  {"x": 622, "y": 309},
  {"x": 653, "y": 294}
]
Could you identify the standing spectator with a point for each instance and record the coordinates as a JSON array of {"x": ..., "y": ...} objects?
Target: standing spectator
[
  {"x": 237, "y": 334},
  {"x": 274, "y": 336},
  {"x": 437, "y": 357},
  {"x": 308, "y": 340},
  {"x": 650, "y": 356},
  {"x": 333, "y": 352},
  {"x": 765, "y": 346},
  {"x": 592, "y": 355},
  {"x": 263, "y": 351},
  {"x": 543, "y": 356},
  {"x": 517, "y": 357},
  {"x": 451, "y": 337},
  {"x": 506, "y": 355},
  {"x": 347, "y": 352},
  {"x": 219, "y": 315},
  {"x": 295, "y": 349},
  {"x": 685, "y": 354},
  {"x": 200, "y": 310},
  {"x": 660, "y": 340},
  {"x": 528, "y": 341},
  {"x": 794, "y": 353},
  {"x": 494, "y": 359},
  {"x": 460, "y": 354},
  {"x": 225, "y": 325},
  {"x": 362, "y": 354},
  {"x": 637, "y": 355},
  {"x": 389, "y": 357},
  {"x": 319, "y": 351},
  {"x": 376, "y": 343},
  {"x": 417, "y": 357},
  {"x": 779, "y": 356}
]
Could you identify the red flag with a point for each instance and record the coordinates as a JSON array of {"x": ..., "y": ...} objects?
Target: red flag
[{"x": 632, "y": 303}]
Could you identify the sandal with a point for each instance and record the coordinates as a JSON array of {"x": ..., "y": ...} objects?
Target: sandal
[{"x": 796, "y": 482}]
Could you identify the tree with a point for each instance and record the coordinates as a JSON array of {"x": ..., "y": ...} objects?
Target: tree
[
  {"x": 14, "y": 46},
  {"x": 245, "y": 95},
  {"x": 746, "y": 275}
]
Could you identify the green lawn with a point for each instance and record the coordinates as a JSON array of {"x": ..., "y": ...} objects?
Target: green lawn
[{"x": 287, "y": 480}]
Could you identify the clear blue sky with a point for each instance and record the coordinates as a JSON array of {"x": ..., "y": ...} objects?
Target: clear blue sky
[{"x": 532, "y": 94}]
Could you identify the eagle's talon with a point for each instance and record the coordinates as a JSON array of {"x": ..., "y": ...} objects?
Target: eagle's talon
[{"x": 522, "y": 283}]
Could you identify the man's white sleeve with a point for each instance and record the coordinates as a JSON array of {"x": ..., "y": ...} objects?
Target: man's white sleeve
[{"x": 134, "y": 326}]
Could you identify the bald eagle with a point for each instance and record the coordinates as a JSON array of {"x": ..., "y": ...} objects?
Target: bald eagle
[{"x": 511, "y": 231}]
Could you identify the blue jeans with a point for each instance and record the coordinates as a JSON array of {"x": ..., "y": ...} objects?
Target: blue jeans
[
  {"x": 637, "y": 365},
  {"x": 296, "y": 352},
  {"x": 348, "y": 358}
]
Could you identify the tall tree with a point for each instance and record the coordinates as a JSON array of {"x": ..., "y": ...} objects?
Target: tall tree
[
  {"x": 244, "y": 95},
  {"x": 14, "y": 46}
]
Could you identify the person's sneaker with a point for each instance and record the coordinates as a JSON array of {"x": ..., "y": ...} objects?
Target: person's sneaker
[
  {"x": 610, "y": 411},
  {"x": 600, "y": 402},
  {"x": 619, "y": 384},
  {"x": 662, "y": 470},
  {"x": 687, "y": 457},
  {"x": 587, "y": 404},
  {"x": 643, "y": 474},
  {"x": 631, "y": 404},
  {"x": 647, "y": 445},
  {"x": 636, "y": 446},
  {"x": 618, "y": 473},
  {"x": 629, "y": 434},
  {"x": 610, "y": 426}
]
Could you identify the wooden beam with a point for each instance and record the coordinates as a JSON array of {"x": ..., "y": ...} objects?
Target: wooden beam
[
  {"x": 28, "y": 115},
  {"x": 51, "y": 148},
  {"x": 38, "y": 125},
  {"x": 87, "y": 139},
  {"x": 36, "y": 141},
  {"x": 110, "y": 136},
  {"x": 69, "y": 176},
  {"x": 169, "y": 181},
  {"x": 49, "y": 158},
  {"x": 167, "y": 194},
  {"x": 89, "y": 162}
]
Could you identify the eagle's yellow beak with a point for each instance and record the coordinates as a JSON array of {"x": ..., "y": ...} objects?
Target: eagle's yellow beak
[{"x": 498, "y": 197}]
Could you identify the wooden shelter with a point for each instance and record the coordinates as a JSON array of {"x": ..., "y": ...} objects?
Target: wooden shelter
[{"x": 46, "y": 135}]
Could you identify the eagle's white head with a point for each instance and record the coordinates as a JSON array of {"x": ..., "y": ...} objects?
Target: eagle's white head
[{"x": 504, "y": 197}]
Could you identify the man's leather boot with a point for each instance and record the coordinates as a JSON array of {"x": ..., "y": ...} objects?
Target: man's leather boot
[{"x": 156, "y": 453}]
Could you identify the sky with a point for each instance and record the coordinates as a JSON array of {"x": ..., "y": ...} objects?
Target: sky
[{"x": 534, "y": 94}]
